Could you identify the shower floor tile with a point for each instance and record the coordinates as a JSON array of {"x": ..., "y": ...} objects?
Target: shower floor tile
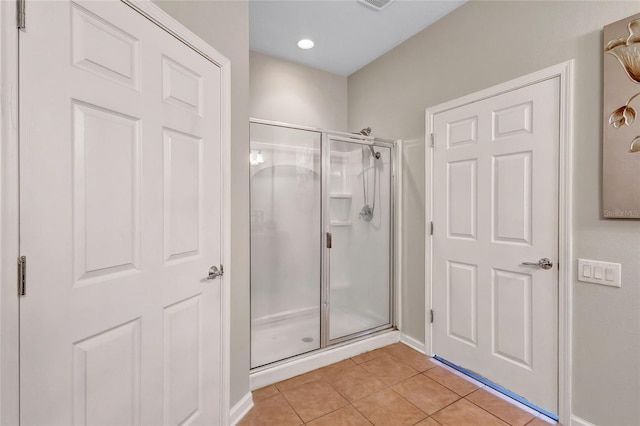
[{"x": 419, "y": 391}]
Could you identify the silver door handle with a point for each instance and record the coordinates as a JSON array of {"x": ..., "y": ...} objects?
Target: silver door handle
[
  {"x": 543, "y": 263},
  {"x": 214, "y": 272}
]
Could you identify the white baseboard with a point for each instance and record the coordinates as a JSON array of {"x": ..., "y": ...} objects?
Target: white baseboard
[
  {"x": 303, "y": 365},
  {"x": 241, "y": 408},
  {"x": 412, "y": 343},
  {"x": 577, "y": 421}
]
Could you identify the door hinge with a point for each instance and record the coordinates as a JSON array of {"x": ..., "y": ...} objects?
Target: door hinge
[
  {"x": 433, "y": 140},
  {"x": 21, "y": 14},
  {"x": 431, "y": 228},
  {"x": 431, "y": 316},
  {"x": 22, "y": 276}
]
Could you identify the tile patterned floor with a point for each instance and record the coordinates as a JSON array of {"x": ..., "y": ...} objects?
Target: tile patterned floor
[{"x": 394, "y": 386}]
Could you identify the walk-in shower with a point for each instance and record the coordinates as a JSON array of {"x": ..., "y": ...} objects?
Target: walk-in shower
[{"x": 321, "y": 239}]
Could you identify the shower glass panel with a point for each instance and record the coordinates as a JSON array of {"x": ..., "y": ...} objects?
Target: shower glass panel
[
  {"x": 360, "y": 217},
  {"x": 286, "y": 241}
]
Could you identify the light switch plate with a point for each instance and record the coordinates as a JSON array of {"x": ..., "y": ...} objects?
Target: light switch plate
[{"x": 605, "y": 273}]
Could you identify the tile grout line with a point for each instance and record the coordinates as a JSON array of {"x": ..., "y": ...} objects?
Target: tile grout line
[
  {"x": 361, "y": 413},
  {"x": 291, "y": 406},
  {"x": 418, "y": 408},
  {"x": 453, "y": 402},
  {"x": 340, "y": 393},
  {"x": 427, "y": 418},
  {"x": 324, "y": 380},
  {"x": 545, "y": 419},
  {"x": 448, "y": 405},
  {"x": 487, "y": 411},
  {"x": 325, "y": 414},
  {"x": 461, "y": 396},
  {"x": 495, "y": 415},
  {"x": 349, "y": 403}
]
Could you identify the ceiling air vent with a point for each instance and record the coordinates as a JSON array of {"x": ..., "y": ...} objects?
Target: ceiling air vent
[{"x": 376, "y": 4}]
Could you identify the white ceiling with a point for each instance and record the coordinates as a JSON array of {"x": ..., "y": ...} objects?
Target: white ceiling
[{"x": 347, "y": 34}]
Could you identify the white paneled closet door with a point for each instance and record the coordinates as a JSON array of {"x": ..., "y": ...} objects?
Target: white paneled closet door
[
  {"x": 495, "y": 207},
  {"x": 120, "y": 220}
]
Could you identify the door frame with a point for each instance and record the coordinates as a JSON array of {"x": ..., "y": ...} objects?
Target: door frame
[
  {"x": 10, "y": 193},
  {"x": 564, "y": 72}
]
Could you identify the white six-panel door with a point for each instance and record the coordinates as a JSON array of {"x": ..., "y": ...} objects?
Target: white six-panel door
[
  {"x": 495, "y": 206},
  {"x": 120, "y": 220}
]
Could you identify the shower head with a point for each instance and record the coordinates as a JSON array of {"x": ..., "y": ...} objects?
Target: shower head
[
  {"x": 375, "y": 154},
  {"x": 367, "y": 132}
]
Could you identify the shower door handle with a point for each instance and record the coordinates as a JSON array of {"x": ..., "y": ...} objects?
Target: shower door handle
[
  {"x": 214, "y": 272},
  {"x": 543, "y": 263}
]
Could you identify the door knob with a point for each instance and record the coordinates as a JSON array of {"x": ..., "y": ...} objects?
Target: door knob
[
  {"x": 214, "y": 272},
  {"x": 543, "y": 263}
]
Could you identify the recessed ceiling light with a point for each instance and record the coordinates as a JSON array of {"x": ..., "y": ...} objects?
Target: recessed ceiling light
[{"x": 305, "y": 43}]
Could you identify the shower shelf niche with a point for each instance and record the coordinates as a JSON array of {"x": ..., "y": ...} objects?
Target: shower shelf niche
[{"x": 340, "y": 208}]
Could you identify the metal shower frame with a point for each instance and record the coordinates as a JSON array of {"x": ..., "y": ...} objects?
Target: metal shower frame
[{"x": 326, "y": 137}]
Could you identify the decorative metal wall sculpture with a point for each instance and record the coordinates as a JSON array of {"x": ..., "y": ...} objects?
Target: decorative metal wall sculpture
[{"x": 621, "y": 139}]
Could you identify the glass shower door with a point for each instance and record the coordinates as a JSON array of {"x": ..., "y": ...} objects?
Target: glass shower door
[
  {"x": 360, "y": 217},
  {"x": 286, "y": 239}
]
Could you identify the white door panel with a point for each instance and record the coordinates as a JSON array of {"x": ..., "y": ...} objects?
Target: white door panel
[
  {"x": 120, "y": 220},
  {"x": 495, "y": 205}
]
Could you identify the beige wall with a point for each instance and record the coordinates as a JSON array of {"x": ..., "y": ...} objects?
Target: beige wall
[
  {"x": 292, "y": 93},
  {"x": 482, "y": 44},
  {"x": 225, "y": 26}
]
